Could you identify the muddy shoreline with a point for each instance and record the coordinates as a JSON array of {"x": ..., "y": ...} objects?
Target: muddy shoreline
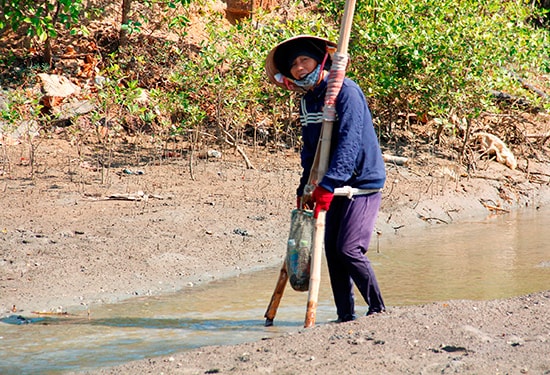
[{"x": 73, "y": 239}]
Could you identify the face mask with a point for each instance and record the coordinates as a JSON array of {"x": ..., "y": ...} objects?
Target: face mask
[{"x": 310, "y": 80}]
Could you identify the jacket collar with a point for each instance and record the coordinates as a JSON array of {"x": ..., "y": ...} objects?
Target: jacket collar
[{"x": 319, "y": 91}]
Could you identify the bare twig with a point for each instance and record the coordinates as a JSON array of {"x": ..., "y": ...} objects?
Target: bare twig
[
  {"x": 466, "y": 138},
  {"x": 231, "y": 141},
  {"x": 488, "y": 178},
  {"x": 429, "y": 219},
  {"x": 528, "y": 86},
  {"x": 195, "y": 139},
  {"x": 494, "y": 208}
]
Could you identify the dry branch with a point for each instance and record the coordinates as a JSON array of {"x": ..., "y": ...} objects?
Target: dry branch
[
  {"x": 231, "y": 141},
  {"x": 513, "y": 100},
  {"x": 494, "y": 208},
  {"x": 543, "y": 137},
  {"x": 530, "y": 87},
  {"x": 397, "y": 160},
  {"x": 429, "y": 219}
]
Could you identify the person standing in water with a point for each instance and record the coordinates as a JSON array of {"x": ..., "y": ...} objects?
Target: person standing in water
[{"x": 302, "y": 64}]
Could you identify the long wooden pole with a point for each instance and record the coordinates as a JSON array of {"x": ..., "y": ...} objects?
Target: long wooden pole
[
  {"x": 276, "y": 297},
  {"x": 336, "y": 77}
]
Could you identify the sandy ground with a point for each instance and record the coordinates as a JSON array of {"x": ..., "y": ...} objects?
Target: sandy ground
[{"x": 76, "y": 236}]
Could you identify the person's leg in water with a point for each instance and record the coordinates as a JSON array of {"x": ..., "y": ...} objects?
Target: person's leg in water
[{"x": 350, "y": 224}]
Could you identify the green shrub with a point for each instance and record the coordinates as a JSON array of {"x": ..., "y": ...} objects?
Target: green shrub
[
  {"x": 433, "y": 59},
  {"x": 39, "y": 18},
  {"x": 227, "y": 77},
  {"x": 441, "y": 57}
]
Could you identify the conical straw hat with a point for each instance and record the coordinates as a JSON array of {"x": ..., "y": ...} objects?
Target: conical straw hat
[{"x": 280, "y": 51}]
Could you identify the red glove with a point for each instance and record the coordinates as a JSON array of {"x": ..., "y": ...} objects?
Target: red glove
[
  {"x": 299, "y": 203},
  {"x": 322, "y": 198}
]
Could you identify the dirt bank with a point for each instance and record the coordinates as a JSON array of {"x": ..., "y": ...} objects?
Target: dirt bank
[{"x": 77, "y": 235}]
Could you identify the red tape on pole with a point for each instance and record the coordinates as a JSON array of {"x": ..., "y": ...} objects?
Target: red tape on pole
[{"x": 335, "y": 80}]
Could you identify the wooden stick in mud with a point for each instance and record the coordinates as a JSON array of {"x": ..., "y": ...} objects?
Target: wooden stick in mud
[
  {"x": 315, "y": 273},
  {"x": 276, "y": 297}
]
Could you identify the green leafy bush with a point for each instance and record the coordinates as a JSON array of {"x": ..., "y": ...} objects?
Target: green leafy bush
[
  {"x": 39, "y": 18},
  {"x": 432, "y": 59},
  {"x": 227, "y": 79},
  {"x": 437, "y": 58}
]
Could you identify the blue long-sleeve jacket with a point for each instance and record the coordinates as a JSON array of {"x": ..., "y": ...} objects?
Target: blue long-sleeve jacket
[{"x": 355, "y": 156}]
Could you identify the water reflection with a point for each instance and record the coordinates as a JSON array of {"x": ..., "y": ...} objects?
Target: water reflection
[
  {"x": 219, "y": 313},
  {"x": 497, "y": 258},
  {"x": 501, "y": 257}
]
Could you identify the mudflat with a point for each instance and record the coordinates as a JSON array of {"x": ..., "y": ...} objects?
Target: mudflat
[{"x": 75, "y": 234}]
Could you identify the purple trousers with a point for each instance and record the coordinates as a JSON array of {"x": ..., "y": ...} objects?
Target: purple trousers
[{"x": 349, "y": 227}]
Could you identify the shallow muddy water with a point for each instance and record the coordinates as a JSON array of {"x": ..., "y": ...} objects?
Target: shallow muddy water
[{"x": 500, "y": 257}]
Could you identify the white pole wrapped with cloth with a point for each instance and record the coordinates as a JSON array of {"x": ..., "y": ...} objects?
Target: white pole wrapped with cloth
[{"x": 320, "y": 166}]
